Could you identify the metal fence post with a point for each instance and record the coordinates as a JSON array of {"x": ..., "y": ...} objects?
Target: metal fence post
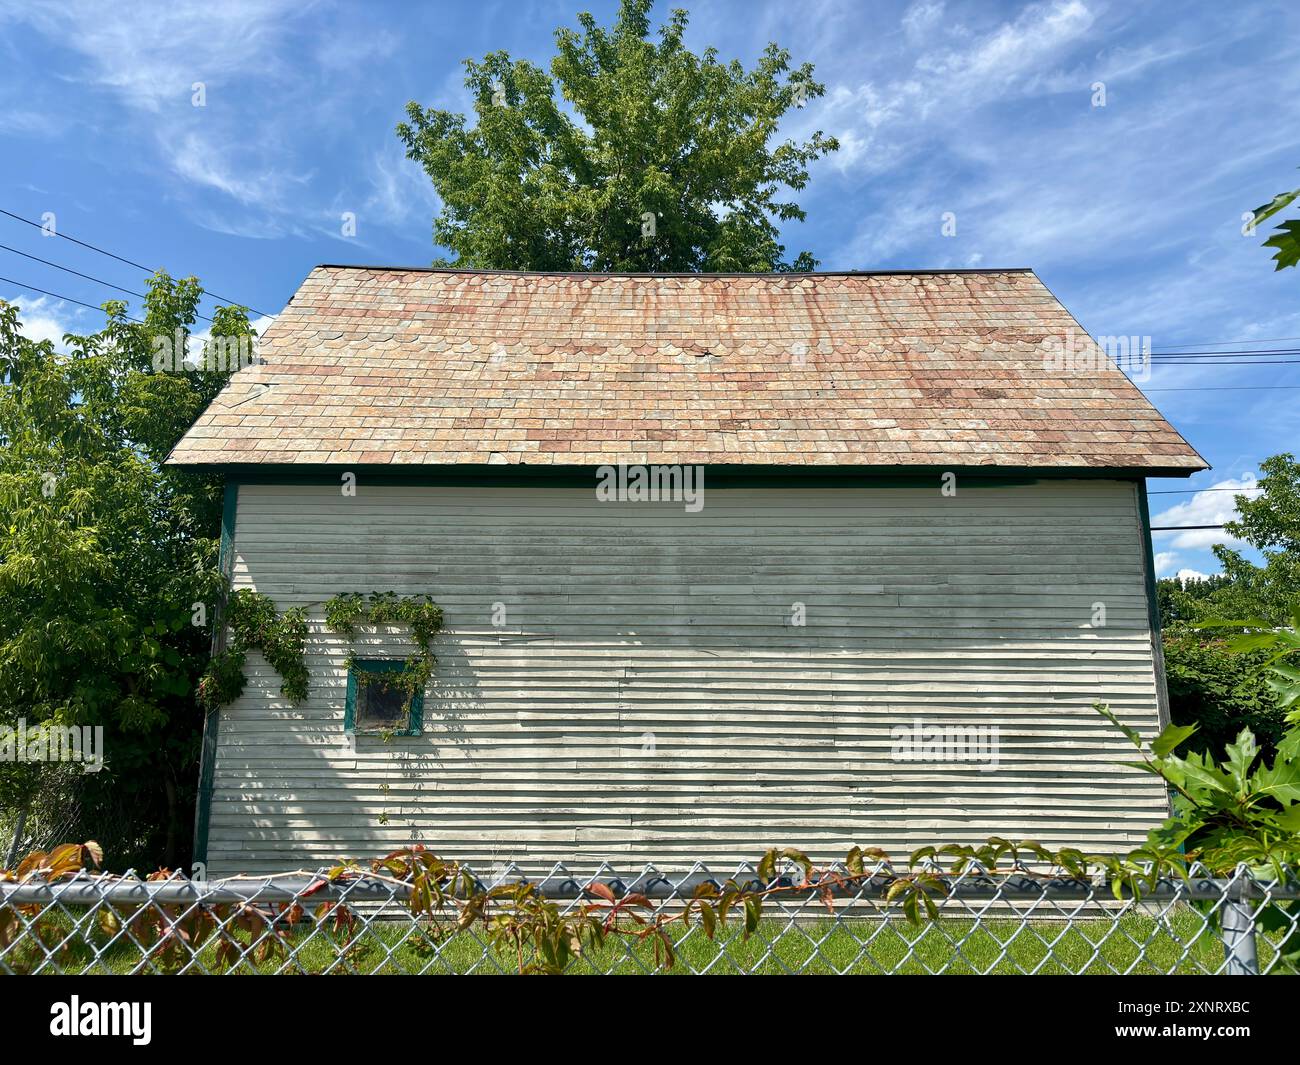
[{"x": 1238, "y": 920}]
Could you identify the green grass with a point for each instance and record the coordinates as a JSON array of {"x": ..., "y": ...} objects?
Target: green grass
[{"x": 1137, "y": 943}]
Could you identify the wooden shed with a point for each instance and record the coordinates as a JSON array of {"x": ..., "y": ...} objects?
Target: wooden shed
[{"x": 917, "y": 519}]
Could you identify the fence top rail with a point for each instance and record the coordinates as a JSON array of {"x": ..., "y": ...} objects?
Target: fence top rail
[{"x": 561, "y": 884}]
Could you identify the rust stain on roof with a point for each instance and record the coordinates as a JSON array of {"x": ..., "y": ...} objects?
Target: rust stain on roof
[{"x": 401, "y": 366}]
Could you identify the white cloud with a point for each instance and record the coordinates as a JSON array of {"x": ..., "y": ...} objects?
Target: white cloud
[
  {"x": 1204, "y": 508},
  {"x": 1113, "y": 65},
  {"x": 1191, "y": 575},
  {"x": 888, "y": 125},
  {"x": 1054, "y": 182},
  {"x": 49, "y": 319},
  {"x": 1165, "y": 561}
]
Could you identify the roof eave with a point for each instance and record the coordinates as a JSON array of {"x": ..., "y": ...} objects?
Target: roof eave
[{"x": 749, "y": 473}]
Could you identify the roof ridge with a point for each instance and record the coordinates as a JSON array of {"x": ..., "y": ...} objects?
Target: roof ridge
[{"x": 670, "y": 273}]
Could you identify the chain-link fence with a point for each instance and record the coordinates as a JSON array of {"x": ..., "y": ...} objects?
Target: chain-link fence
[{"x": 358, "y": 922}]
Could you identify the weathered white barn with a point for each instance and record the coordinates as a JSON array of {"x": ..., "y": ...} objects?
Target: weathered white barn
[{"x": 915, "y": 513}]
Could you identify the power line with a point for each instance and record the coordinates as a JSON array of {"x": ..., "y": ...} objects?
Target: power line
[
  {"x": 1223, "y": 343},
  {"x": 1173, "y": 528},
  {"x": 1168, "y": 358},
  {"x": 1260, "y": 354},
  {"x": 1222, "y": 388},
  {"x": 1198, "y": 491},
  {"x": 55, "y": 295},
  {"x": 88, "y": 277},
  {"x": 119, "y": 258}
]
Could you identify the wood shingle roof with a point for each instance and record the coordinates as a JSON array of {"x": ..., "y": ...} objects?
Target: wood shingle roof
[{"x": 385, "y": 366}]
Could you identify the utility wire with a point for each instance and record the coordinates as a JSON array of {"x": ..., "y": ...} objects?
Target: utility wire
[
  {"x": 88, "y": 277},
  {"x": 1198, "y": 491},
  {"x": 119, "y": 258},
  {"x": 1222, "y": 343},
  {"x": 1261, "y": 354},
  {"x": 226, "y": 299},
  {"x": 55, "y": 295},
  {"x": 1168, "y": 358},
  {"x": 1228, "y": 362}
]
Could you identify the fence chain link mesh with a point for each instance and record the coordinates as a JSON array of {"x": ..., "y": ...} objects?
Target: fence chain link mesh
[{"x": 986, "y": 923}]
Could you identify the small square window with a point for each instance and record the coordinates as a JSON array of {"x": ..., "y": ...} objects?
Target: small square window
[{"x": 377, "y": 702}]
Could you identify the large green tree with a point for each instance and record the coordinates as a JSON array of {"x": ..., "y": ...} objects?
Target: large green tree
[
  {"x": 630, "y": 154},
  {"x": 104, "y": 554}
]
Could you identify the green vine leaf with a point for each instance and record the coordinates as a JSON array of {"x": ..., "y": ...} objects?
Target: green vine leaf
[{"x": 255, "y": 624}]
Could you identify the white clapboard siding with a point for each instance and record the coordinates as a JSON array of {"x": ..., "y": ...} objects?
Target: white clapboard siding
[{"x": 648, "y": 698}]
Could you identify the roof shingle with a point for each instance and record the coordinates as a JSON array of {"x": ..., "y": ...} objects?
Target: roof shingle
[{"x": 399, "y": 366}]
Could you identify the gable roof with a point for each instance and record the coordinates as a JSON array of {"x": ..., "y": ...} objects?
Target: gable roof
[{"x": 383, "y": 366}]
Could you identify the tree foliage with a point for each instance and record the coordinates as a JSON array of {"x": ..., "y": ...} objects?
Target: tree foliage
[
  {"x": 104, "y": 554},
  {"x": 1238, "y": 808},
  {"x": 1213, "y": 683},
  {"x": 1221, "y": 692},
  {"x": 630, "y": 155},
  {"x": 1280, "y": 646},
  {"x": 1270, "y": 523},
  {"x": 1286, "y": 239}
]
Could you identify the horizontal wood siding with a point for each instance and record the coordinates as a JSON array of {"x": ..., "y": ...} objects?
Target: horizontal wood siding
[{"x": 648, "y": 698}]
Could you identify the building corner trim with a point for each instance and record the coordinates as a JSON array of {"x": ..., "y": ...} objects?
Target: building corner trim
[{"x": 212, "y": 718}]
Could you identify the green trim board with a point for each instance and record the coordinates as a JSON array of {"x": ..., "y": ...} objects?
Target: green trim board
[
  {"x": 212, "y": 719},
  {"x": 721, "y": 475},
  {"x": 415, "y": 714},
  {"x": 229, "y": 507},
  {"x": 1153, "y": 616},
  {"x": 1153, "y": 602}
]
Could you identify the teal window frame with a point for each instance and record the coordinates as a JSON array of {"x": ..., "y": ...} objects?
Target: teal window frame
[{"x": 414, "y": 717}]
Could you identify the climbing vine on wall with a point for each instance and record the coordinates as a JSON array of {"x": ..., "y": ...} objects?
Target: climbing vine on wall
[
  {"x": 420, "y": 614},
  {"x": 255, "y": 624}
]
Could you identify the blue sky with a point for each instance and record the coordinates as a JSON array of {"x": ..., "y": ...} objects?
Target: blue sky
[{"x": 1131, "y": 212}]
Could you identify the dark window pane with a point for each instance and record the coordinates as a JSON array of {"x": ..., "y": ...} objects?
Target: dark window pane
[{"x": 381, "y": 703}]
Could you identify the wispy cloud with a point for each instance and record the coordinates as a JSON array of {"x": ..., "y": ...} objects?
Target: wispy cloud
[
  {"x": 400, "y": 192},
  {"x": 998, "y": 62},
  {"x": 152, "y": 54},
  {"x": 921, "y": 19},
  {"x": 182, "y": 73}
]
